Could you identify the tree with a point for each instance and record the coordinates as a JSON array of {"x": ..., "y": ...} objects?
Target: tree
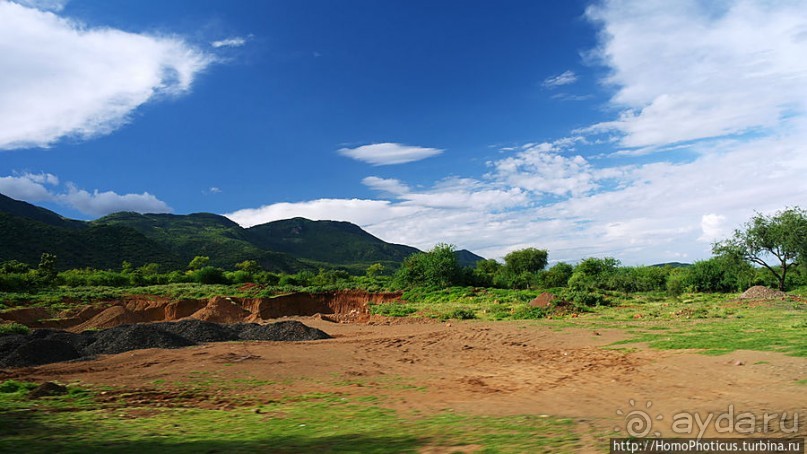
[
  {"x": 782, "y": 237},
  {"x": 199, "y": 262},
  {"x": 529, "y": 260},
  {"x": 438, "y": 267},
  {"x": 249, "y": 266},
  {"x": 47, "y": 267},
  {"x": 374, "y": 270},
  {"x": 557, "y": 276},
  {"x": 594, "y": 273}
]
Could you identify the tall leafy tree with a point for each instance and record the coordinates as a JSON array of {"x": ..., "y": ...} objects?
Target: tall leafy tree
[
  {"x": 529, "y": 260},
  {"x": 774, "y": 242}
]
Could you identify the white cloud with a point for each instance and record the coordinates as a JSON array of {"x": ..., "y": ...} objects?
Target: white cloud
[
  {"x": 713, "y": 227},
  {"x": 43, "y": 187},
  {"x": 379, "y": 154},
  {"x": 102, "y": 203},
  {"x": 63, "y": 79},
  {"x": 565, "y": 78},
  {"x": 689, "y": 70},
  {"x": 386, "y": 185},
  {"x": 236, "y": 41},
  {"x": 45, "y": 5},
  {"x": 28, "y": 187},
  {"x": 358, "y": 211}
]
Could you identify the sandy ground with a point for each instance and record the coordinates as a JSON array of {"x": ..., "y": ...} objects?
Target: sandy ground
[{"x": 497, "y": 369}]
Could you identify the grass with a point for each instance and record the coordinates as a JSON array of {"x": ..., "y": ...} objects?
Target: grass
[
  {"x": 712, "y": 323},
  {"x": 319, "y": 422},
  {"x": 14, "y": 328}
]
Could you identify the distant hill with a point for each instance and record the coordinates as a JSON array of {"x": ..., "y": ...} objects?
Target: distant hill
[
  {"x": 673, "y": 265},
  {"x": 174, "y": 240},
  {"x": 467, "y": 258},
  {"x": 33, "y": 212},
  {"x": 104, "y": 247},
  {"x": 332, "y": 242},
  {"x": 212, "y": 235}
]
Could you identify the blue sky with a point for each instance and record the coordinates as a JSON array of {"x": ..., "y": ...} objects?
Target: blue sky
[{"x": 642, "y": 130}]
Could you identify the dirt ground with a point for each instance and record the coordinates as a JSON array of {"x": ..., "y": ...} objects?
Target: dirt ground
[{"x": 496, "y": 369}]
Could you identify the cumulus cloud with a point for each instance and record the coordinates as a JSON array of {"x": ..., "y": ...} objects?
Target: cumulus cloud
[
  {"x": 380, "y": 154},
  {"x": 236, "y": 41},
  {"x": 358, "y": 211},
  {"x": 713, "y": 227},
  {"x": 44, "y": 187},
  {"x": 45, "y": 5},
  {"x": 690, "y": 70},
  {"x": 565, "y": 78},
  {"x": 63, "y": 79}
]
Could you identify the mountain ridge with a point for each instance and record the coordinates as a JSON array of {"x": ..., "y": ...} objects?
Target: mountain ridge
[{"x": 172, "y": 240}]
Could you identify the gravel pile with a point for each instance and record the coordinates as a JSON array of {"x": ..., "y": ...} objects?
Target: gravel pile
[
  {"x": 762, "y": 292},
  {"x": 280, "y": 331},
  {"x": 199, "y": 330},
  {"x": 45, "y": 346}
]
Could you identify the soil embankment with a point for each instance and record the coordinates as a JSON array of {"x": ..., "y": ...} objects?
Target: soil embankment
[{"x": 338, "y": 306}]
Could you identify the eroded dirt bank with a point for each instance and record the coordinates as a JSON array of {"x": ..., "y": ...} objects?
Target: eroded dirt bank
[{"x": 340, "y": 306}]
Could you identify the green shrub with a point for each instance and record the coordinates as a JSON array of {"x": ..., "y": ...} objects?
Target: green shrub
[
  {"x": 527, "y": 312},
  {"x": 14, "y": 328},
  {"x": 210, "y": 275},
  {"x": 14, "y": 386},
  {"x": 392, "y": 309},
  {"x": 460, "y": 314},
  {"x": 582, "y": 298}
]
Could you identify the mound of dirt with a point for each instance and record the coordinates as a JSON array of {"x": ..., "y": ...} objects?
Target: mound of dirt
[
  {"x": 109, "y": 318},
  {"x": 133, "y": 337},
  {"x": 79, "y": 341},
  {"x": 222, "y": 310},
  {"x": 544, "y": 300},
  {"x": 762, "y": 292},
  {"x": 292, "y": 331},
  {"x": 47, "y": 389}
]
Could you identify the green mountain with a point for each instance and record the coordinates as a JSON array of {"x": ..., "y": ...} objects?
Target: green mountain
[
  {"x": 174, "y": 240},
  {"x": 467, "y": 258},
  {"x": 217, "y": 237},
  {"x": 33, "y": 212},
  {"x": 333, "y": 242},
  {"x": 25, "y": 240}
]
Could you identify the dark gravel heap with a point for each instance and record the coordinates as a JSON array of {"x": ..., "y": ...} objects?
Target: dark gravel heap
[
  {"x": 134, "y": 337},
  {"x": 199, "y": 330},
  {"x": 45, "y": 346},
  {"x": 280, "y": 331}
]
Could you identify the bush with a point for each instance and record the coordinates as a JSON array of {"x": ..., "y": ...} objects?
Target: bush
[
  {"x": 392, "y": 309},
  {"x": 582, "y": 298},
  {"x": 437, "y": 268},
  {"x": 557, "y": 276},
  {"x": 210, "y": 275},
  {"x": 14, "y": 328},
  {"x": 527, "y": 312},
  {"x": 460, "y": 314}
]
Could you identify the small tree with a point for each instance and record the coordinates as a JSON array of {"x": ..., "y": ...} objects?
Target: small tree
[
  {"x": 374, "y": 270},
  {"x": 199, "y": 262},
  {"x": 438, "y": 267},
  {"x": 782, "y": 237},
  {"x": 47, "y": 267}
]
